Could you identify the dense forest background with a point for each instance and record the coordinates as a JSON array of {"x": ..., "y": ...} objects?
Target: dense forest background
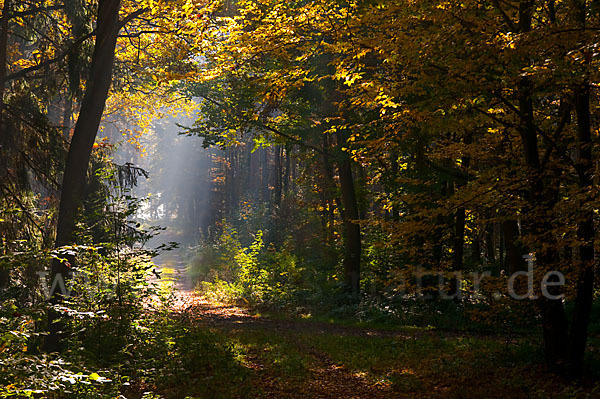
[{"x": 405, "y": 166}]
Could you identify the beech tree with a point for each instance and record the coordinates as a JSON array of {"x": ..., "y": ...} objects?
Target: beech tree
[{"x": 98, "y": 83}]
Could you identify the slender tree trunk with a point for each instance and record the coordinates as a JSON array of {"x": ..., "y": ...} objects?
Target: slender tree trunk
[
  {"x": 361, "y": 192},
  {"x": 501, "y": 249},
  {"x": 4, "y": 272},
  {"x": 278, "y": 175},
  {"x": 234, "y": 187},
  {"x": 490, "y": 244},
  {"x": 392, "y": 185},
  {"x": 458, "y": 252},
  {"x": 329, "y": 191},
  {"x": 510, "y": 233},
  {"x": 459, "y": 239},
  {"x": 459, "y": 222},
  {"x": 265, "y": 175},
  {"x": 80, "y": 150},
  {"x": 442, "y": 222},
  {"x": 286, "y": 176},
  {"x": 3, "y": 47},
  {"x": 293, "y": 175},
  {"x": 476, "y": 250},
  {"x": 352, "y": 242},
  {"x": 254, "y": 173},
  {"x": 67, "y": 115}
]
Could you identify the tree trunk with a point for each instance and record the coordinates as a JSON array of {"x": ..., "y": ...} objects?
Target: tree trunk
[
  {"x": 460, "y": 219},
  {"x": 352, "y": 242},
  {"x": 3, "y": 48},
  {"x": 278, "y": 174},
  {"x": 584, "y": 165},
  {"x": 476, "y": 250},
  {"x": 459, "y": 239},
  {"x": 265, "y": 193},
  {"x": 4, "y": 272},
  {"x": 554, "y": 321},
  {"x": 329, "y": 192},
  {"x": 80, "y": 150},
  {"x": 490, "y": 244},
  {"x": 67, "y": 115},
  {"x": 585, "y": 233},
  {"x": 394, "y": 167},
  {"x": 286, "y": 176},
  {"x": 510, "y": 233}
]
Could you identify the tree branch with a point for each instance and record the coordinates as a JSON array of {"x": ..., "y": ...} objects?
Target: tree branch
[
  {"x": 133, "y": 16},
  {"x": 452, "y": 172},
  {"x": 23, "y": 72},
  {"x": 505, "y": 16},
  {"x": 559, "y": 129},
  {"x": 32, "y": 11},
  {"x": 290, "y": 138}
]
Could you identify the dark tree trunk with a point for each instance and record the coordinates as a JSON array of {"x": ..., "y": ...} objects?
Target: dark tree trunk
[
  {"x": 73, "y": 91},
  {"x": 584, "y": 164},
  {"x": 3, "y": 48},
  {"x": 80, "y": 150},
  {"x": 476, "y": 250},
  {"x": 67, "y": 115},
  {"x": 234, "y": 183},
  {"x": 361, "y": 192},
  {"x": 554, "y": 321},
  {"x": 254, "y": 173},
  {"x": 459, "y": 239},
  {"x": 510, "y": 233},
  {"x": 585, "y": 233},
  {"x": 458, "y": 252},
  {"x": 501, "y": 251},
  {"x": 352, "y": 242},
  {"x": 286, "y": 176},
  {"x": 264, "y": 175},
  {"x": 392, "y": 184},
  {"x": 278, "y": 175},
  {"x": 490, "y": 244},
  {"x": 293, "y": 176},
  {"x": 329, "y": 192},
  {"x": 459, "y": 222},
  {"x": 4, "y": 272},
  {"x": 552, "y": 11},
  {"x": 442, "y": 222}
]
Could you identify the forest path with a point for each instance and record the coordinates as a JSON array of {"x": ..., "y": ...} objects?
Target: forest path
[
  {"x": 172, "y": 267},
  {"x": 287, "y": 357},
  {"x": 282, "y": 362},
  {"x": 297, "y": 358}
]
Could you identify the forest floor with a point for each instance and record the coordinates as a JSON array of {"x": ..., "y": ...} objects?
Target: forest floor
[{"x": 304, "y": 358}]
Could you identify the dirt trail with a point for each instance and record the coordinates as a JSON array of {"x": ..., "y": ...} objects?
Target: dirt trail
[
  {"x": 326, "y": 378},
  {"x": 231, "y": 316},
  {"x": 289, "y": 358}
]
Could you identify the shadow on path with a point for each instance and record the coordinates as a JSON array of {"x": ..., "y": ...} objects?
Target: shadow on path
[{"x": 325, "y": 378}]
